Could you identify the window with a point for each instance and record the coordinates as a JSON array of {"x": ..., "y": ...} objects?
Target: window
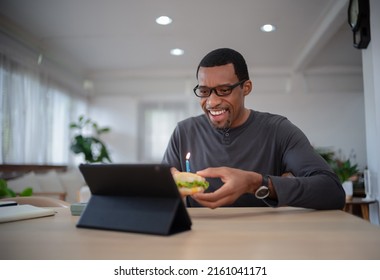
[
  {"x": 35, "y": 115},
  {"x": 156, "y": 124}
]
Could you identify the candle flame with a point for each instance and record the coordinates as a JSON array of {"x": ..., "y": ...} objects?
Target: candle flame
[{"x": 188, "y": 156}]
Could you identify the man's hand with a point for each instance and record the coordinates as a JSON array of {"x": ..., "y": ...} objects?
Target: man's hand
[
  {"x": 182, "y": 192},
  {"x": 236, "y": 183},
  {"x": 174, "y": 170}
]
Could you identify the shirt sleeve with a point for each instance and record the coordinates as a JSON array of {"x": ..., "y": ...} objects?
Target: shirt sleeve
[
  {"x": 171, "y": 156},
  {"x": 314, "y": 184}
]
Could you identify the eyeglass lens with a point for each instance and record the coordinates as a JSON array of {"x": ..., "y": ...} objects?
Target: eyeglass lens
[{"x": 219, "y": 90}]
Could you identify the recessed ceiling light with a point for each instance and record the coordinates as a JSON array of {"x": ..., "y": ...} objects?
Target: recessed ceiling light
[
  {"x": 268, "y": 28},
  {"x": 177, "y": 52},
  {"x": 88, "y": 85},
  {"x": 164, "y": 20}
]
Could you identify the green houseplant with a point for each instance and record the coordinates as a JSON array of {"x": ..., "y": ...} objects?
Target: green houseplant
[
  {"x": 345, "y": 170},
  {"x": 7, "y": 192},
  {"x": 347, "y": 174},
  {"x": 92, "y": 148}
]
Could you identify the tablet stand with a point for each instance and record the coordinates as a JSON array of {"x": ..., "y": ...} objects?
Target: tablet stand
[{"x": 151, "y": 215}]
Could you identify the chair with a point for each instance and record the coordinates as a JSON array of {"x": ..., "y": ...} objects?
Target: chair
[{"x": 39, "y": 201}]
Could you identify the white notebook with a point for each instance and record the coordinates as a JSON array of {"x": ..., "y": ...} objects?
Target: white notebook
[{"x": 22, "y": 212}]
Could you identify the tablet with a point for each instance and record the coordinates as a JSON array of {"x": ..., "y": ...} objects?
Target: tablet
[
  {"x": 133, "y": 197},
  {"x": 130, "y": 179}
]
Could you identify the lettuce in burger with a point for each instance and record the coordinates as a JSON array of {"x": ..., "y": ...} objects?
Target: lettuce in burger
[{"x": 190, "y": 183}]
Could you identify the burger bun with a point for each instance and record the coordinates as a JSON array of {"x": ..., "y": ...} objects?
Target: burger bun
[{"x": 189, "y": 183}]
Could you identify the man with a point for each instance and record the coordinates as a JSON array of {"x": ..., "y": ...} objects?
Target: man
[{"x": 250, "y": 158}]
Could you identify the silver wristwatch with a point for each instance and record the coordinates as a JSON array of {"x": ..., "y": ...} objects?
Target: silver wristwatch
[{"x": 263, "y": 191}]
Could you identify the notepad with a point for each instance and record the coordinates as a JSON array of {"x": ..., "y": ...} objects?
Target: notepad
[{"x": 23, "y": 212}]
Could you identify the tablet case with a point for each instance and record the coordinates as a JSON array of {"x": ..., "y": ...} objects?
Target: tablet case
[{"x": 141, "y": 198}]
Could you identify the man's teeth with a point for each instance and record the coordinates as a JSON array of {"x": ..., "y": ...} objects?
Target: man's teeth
[{"x": 217, "y": 113}]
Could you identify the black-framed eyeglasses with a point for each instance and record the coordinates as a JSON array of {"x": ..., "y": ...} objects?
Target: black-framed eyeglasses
[{"x": 223, "y": 90}]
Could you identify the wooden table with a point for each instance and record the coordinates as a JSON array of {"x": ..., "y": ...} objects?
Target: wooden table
[
  {"x": 362, "y": 203},
  {"x": 224, "y": 233}
]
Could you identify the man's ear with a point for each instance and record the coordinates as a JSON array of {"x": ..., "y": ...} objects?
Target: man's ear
[{"x": 247, "y": 87}]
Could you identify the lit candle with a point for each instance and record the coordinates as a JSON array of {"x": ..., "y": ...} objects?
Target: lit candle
[{"x": 187, "y": 162}]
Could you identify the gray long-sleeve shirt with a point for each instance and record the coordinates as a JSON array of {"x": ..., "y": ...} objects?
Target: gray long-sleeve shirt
[{"x": 266, "y": 143}]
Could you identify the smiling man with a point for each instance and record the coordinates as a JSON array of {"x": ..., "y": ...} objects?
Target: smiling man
[{"x": 250, "y": 158}]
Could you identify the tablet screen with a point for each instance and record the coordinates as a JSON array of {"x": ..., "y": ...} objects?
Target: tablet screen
[{"x": 130, "y": 179}]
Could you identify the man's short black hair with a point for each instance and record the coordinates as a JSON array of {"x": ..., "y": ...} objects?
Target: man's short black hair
[{"x": 225, "y": 56}]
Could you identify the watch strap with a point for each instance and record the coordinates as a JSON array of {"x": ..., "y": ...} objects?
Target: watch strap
[
  {"x": 263, "y": 191},
  {"x": 265, "y": 181}
]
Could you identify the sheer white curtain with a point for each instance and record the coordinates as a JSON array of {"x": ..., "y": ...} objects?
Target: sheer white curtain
[{"x": 35, "y": 116}]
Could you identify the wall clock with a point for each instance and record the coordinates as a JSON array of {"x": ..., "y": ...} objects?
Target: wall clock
[{"x": 359, "y": 21}]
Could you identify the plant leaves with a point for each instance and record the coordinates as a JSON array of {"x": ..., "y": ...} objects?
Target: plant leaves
[
  {"x": 92, "y": 148},
  {"x": 4, "y": 190},
  {"x": 27, "y": 192}
]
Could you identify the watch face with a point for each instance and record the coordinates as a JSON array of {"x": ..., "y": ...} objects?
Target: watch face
[
  {"x": 353, "y": 14},
  {"x": 262, "y": 192}
]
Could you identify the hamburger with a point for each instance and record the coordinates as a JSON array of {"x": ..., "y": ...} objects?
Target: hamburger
[{"x": 190, "y": 183}]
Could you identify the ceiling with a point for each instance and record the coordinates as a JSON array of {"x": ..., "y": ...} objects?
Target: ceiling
[{"x": 120, "y": 37}]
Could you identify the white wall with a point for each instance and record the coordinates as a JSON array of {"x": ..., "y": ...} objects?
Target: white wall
[
  {"x": 119, "y": 113},
  {"x": 328, "y": 107},
  {"x": 371, "y": 70},
  {"x": 117, "y": 107}
]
